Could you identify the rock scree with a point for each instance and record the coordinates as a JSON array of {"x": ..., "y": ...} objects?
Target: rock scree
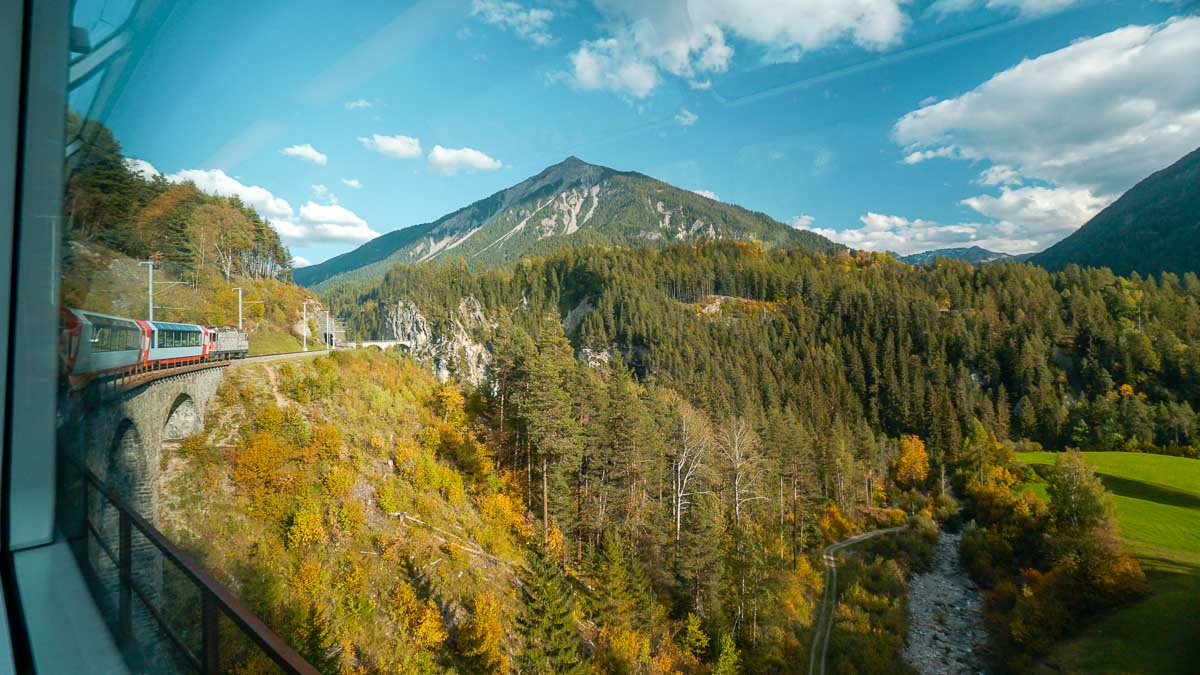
[{"x": 946, "y": 633}]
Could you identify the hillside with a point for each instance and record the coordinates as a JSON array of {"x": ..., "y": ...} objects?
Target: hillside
[
  {"x": 1152, "y": 228},
  {"x": 975, "y": 255},
  {"x": 1158, "y": 509},
  {"x": 568, "y": 204},
  {"x": 204, "y": 247}
]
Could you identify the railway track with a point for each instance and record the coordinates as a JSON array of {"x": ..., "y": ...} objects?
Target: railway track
[{"x": 267, "y": 358}]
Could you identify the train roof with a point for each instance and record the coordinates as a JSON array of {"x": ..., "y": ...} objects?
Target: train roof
[
  {"x": 166, "y": 325},
  {"x": 89, "y": 315}
]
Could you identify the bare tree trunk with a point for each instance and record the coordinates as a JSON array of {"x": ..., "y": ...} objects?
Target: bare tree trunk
[{"x": 545, "y": 499}]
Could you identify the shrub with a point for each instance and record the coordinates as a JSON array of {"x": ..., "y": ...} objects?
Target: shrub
[{"x": 306, "y": 526}]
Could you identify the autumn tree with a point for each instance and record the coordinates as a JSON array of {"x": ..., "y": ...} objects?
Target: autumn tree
[
  {"x": 1078, "y": 500},
  {"x": 912, "y": 462},
  {"x": 481, "y": 637}
]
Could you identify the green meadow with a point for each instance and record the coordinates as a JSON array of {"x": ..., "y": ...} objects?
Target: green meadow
[{"x": 1158, "y": 510}]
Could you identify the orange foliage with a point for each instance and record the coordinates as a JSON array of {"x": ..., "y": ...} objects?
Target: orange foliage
[{"x": 326, "y": 443}]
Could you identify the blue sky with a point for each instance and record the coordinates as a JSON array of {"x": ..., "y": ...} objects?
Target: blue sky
[{"x": 887, "y": 125}]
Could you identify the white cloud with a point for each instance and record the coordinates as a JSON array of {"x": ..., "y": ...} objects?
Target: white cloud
[
  {"x": 216, "y": 182},
  {"x": 398, "y": 146},
  {"x": 708, "y": 193},
  {"x": 919, "y": 156},
  {"x": 1023, "y": 7},
  {"x": 352, "y": 183},
  {"x": 449, "y": 161},
  {"x": 330, "y": 223},
  {"x": 999, "y": 174},
  {"x": 1101, "y": 113},
  {"x": 1038, "y": 213},
  {"x": 141, "y": 167},
  {"x": 531, "y": 24},
  {"x": 1076, "y": 127},
  {"x": 358, "y": 104},
  {"x": 288, "y": 230},
  {"x": 322, "y": 192},
  {"x": 802, "y": 222},
  {"x": 686, "y": 117},
  {"x": 880, "y": 232},
  {"x": 1024, "y": 219},
  {"x": 317, "y": 222},
  {"x": 688, "y": 40},
  {"x": 299, "y": 261},
  {"x": 313, "y": 212},
  {"x": 608, "y": 65},
  {"x": 306, "y": 152}
]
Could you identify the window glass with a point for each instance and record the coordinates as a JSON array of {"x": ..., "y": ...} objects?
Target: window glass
[{"x": 400, "y": 172}]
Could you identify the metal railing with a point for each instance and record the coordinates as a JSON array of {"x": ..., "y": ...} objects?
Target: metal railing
[{"x": 216, "y": 600}]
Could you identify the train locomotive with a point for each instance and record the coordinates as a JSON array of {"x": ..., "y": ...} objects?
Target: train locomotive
[{"x": 95, "y": 345}]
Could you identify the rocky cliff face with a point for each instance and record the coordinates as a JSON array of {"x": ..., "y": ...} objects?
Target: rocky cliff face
[{"x": 450, "y": 349}]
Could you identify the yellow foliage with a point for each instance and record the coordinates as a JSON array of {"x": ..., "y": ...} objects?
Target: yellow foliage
[
  {"x": 1125, "y": 391},
  {"x": 450, "y": 406},
  {"x": 481, "y": 637},
  {"x": 258, "y": 462},
  {"x": 392, "y": 495},
  {"x": 405, "y": 456},
  {"x": 502, "y": 511},
  {"x": 351, "y": 517},
  {"x": 306, "y": 526},
  {"x": 912, "y": 464},
  {"x": 353, "y": 578},
  {"x": 555, "y": 541},
  {"x": 834, "y": 525},
  {"x": 326, "y": 443},
  {"x": 338, "y": 480},
  {"x": 307, "y": 577},
  {"x": 628, "y": 650},
  {"x": 418, "y": 620}
]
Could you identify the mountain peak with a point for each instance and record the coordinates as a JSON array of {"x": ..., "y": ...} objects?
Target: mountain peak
[
  {"x": 566, "y": 204},
  {"x": 973, "y": 254}
]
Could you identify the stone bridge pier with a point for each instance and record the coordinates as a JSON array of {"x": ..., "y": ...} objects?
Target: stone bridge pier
[{"x": 120, "y": 440}]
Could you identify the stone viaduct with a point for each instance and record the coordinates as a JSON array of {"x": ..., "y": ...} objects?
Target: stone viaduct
[{"x": 119, "y": 435}]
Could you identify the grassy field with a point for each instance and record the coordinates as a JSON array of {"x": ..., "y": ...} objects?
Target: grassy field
[{"x": 1158, "y": 509}]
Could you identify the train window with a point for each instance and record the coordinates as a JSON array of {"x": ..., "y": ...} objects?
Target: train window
[{"x": 112, "y": 336}]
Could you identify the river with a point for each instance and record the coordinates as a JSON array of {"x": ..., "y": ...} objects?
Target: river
[{"x": 945, "y": 614}]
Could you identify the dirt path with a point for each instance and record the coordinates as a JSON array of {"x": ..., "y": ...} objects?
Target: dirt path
[
  {"x": 823, "y": 626},
  {"x": 945, "y": 633}
]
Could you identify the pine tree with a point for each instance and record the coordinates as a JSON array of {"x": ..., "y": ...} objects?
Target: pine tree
[
  {"x": 546, "y": 624},
  {"x": 547, "y": 406},
  {"x": 612, "y": 592},
  {"x": 315, "y": 640},
  {"x": 729, "y": 663}
]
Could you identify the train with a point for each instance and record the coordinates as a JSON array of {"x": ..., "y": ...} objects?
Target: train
[{"x": 98, "y": 346}]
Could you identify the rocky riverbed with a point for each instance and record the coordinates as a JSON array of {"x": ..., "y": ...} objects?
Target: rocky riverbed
[{"x": 945, "y": 633}]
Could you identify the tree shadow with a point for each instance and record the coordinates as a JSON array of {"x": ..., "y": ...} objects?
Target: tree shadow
[{"x": 1136, "y": 489}]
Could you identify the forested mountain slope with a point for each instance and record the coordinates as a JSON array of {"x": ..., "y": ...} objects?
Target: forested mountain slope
[
  {"x": 972, "y": 254},
  {"x": 203, "y": 247},
  {"x": 862, "y": 339},
  {"x": 817, "y": 390},
  {"x": 569, "y": 204},
  {"x": 1152, "y": 228}
]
